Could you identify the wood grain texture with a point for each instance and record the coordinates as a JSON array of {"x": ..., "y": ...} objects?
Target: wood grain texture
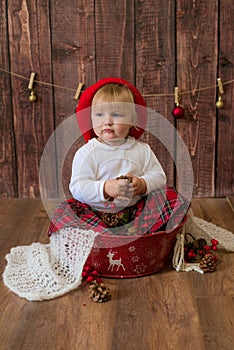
[
  {"x": 73, "y": 52},
  {"x": 218, "y": 212},
  {"x": 167, "y": 310},
  {"x": 153, "y": 44},
  {"x": 114, "y": 35},
  {"x": 73, "y": 61},
  {"x": 197, "y": 54},
  {"x": 225, "y": 121},
  {"x": 155, "y": 70},
  {"x": 230, "y": 200},
  {"x": 8, "y": 179},
  {"x": 216, "y": 316},
  {"x": 33, "y": 123},
  {"x": 152, "y": 313}
]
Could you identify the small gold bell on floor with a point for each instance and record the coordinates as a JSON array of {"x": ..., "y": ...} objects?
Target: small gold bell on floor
[
  {"x": 219, "y": 103},
  {"x": 32, "y": 97}
]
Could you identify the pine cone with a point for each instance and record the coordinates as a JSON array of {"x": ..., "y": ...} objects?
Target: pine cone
[
  {"x": 124, "y": 178},
  {"x": 110, "y": 219},
  {"x": 190, "y": 245},
  {"x": 201, "y": 242},
  {"x": 99, "y": 292},
  {"x": 208, "y": 264}
]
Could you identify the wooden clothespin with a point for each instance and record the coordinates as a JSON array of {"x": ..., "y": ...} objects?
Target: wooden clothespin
[
  {"x": 220, "y": 85},
  {"x": 176, "y": 94},
  {"x": 78, "y": 91},
  {"x": 219, "y": 103}
]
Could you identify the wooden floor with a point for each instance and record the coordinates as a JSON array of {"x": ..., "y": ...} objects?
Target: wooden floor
[{"x": 168, "y": 310}]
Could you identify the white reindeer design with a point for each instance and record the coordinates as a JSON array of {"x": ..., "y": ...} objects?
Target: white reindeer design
[{"x": 114, "y": 262}]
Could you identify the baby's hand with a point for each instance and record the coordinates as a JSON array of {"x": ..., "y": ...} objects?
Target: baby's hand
[
  {"x": 117, "y": 188},
  {"x": 137, "y": 185}
]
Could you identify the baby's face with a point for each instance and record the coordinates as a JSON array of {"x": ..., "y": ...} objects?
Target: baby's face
[{"x": 111, "y": 122}]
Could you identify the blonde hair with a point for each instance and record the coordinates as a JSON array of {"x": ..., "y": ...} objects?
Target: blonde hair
[{"x": 116, "y": 93}]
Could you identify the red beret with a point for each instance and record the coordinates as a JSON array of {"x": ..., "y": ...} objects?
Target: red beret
[{"x": 85, "y": 102}]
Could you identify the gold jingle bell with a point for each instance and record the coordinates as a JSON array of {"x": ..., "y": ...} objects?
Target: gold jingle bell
[
  {"x": 32, "y": 97},
  {"x": 219, "y": 103}
]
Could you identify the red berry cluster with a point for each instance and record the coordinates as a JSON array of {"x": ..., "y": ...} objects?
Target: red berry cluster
[
  {"x": 196, "y": 250},
  {"x": 90, "y": 274}
]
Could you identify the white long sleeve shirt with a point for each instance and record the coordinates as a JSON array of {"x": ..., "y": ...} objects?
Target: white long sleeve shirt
[{"x": 95, "y": 162}]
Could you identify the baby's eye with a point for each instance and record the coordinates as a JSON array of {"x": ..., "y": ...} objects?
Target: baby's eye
[
  {"x": 117, "y": 114},
  {"x": 99, "y": 114}
]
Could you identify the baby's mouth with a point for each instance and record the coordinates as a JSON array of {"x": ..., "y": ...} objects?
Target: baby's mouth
[{"x": 108, "y": 131}]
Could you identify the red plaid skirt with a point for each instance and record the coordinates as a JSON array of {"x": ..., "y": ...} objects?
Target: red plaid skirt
[{"x": 161, "y": 210}]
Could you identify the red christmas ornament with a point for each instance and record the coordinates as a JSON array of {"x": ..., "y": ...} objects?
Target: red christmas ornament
[
  {"x": 214, "y": 242},
  {"x": 95, "y": 273},
  {"x": 178, "y": 112},
  {"x": 90, "y": 279},
  {"x": 90, "y": 274},
  {"x": 87, "y": 268},
  {"x": 195, "y": 251},
  {"x": 85, "y": 274}
]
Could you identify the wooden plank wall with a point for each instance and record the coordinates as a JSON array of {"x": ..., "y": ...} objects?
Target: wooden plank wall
[{"x": 155, "y": 44}]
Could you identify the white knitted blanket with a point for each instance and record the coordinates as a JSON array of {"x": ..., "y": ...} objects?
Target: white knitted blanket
[{"x": 45, "y": 271}]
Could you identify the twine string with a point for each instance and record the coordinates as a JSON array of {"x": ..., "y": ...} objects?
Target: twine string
[{"x": 145, "y": 95}]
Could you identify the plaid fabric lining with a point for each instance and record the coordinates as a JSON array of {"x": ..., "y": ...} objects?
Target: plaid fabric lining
[{"x": 164, "y": 208}]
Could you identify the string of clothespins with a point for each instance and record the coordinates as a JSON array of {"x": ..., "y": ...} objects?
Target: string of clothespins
[{"x": 177, "y": 94}]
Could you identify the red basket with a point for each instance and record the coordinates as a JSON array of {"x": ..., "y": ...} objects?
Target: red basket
[{"x": 133, "y": 256}]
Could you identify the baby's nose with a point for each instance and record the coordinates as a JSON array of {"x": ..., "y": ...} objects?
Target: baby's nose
[{"x": 108, "y": 119}]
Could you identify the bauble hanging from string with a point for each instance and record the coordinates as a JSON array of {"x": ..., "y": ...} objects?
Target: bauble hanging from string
[
  {"x": 219, "y": 103},
  {"x": 32, "y": 96},
  {"x": 178, "y": 111}
]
